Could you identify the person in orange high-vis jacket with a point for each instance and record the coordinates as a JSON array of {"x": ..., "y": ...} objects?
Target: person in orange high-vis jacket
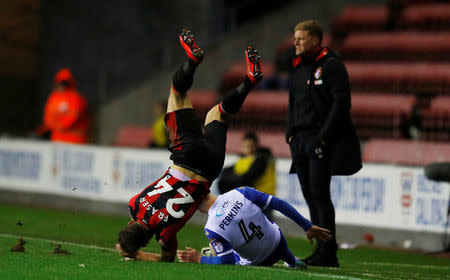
[{"x": 65, "y": 113}]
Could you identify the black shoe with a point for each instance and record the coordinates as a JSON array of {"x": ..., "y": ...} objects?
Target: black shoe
[
  {"x": 187, "y": 41},
  {"x": 254, "y": 71},
  {"x": 305, "y": 260},
  {"x": 322, "y": 260}
]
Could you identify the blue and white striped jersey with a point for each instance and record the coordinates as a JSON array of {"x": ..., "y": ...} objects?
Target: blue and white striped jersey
[{"x": 237, "y": 225}]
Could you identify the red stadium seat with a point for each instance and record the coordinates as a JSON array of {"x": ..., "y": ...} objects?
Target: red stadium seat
[
  {"x": 203, "y": 100},
  {"x": 275, "y": 141},
  {"x": 381, "y": 103},
  {"x": 433, "y": 16},
  {"x": 440, "y": 104},
  {"x": 134, "y": 136},
  {"x": 380, "y": 115},
  {"x": 264, "y": 110},
  {"x": 410, "y": 46},
  {"x": 406, "y": 152},
  {"x": 436, "y": 120},
  {"x": 266, "y": 105},
  {"x": 432, "y": 78}
]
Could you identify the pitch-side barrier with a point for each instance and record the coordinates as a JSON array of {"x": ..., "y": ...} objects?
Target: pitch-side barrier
[{"x": 385, "y": 196}]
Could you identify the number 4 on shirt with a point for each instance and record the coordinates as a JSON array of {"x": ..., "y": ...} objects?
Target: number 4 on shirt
[{"x": 256, "y": 231}]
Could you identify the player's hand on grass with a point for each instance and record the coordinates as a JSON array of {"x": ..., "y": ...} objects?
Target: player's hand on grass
[
  {"x": 118, "y": 248},
  {"x": 189, "y": 255},
  {"x": 318, "y": 233},
  {"x": 126, "y": 258}
]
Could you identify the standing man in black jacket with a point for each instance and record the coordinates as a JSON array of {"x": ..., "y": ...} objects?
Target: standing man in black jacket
[{"x": 320, "y": 132}]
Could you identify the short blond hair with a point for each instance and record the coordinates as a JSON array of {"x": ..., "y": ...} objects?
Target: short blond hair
[{"x": 312, "y": 26}]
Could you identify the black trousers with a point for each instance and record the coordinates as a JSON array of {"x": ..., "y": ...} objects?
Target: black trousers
[{"x": 314, "y": 176}]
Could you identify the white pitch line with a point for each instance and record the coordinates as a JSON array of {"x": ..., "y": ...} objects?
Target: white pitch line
[
  {"x": 407, "y": 265},
  {"x": 110, "y": 249},
  {"x": 376, "y": 276},
  {"x": 332, "y": 276},
  {"x": 321, "y": 275},
  {"x": 57, "y": 242},
  {"x": 388, "y": 276}
]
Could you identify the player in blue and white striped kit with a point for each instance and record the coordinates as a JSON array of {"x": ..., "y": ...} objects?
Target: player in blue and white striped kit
[{"x": 239, "y": 232}]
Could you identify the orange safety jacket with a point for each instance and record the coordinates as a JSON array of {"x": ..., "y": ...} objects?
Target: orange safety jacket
[{"x": 65, "y": 113}]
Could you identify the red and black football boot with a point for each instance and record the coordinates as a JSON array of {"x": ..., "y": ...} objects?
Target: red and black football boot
[
  {"x": 188, "y": 43},
  {"x": 254, "y": 71}
]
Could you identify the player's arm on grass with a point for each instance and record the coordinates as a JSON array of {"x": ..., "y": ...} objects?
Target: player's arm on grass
[
  {"x": 150, "y": 257},
  {"x": 266, "y": 201},
  {"x": 165, "y": 256},
  {"x": 168, "y": 252},
  {"x": 221, "y": 250}
]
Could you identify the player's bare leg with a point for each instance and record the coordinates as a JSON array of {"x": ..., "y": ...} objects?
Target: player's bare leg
[
  {"x": 183, "y": 78},
  {"x": 233, "y": 102}
]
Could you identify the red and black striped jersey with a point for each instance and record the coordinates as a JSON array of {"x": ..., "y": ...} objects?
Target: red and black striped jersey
[{"x": 167, "y": 204}]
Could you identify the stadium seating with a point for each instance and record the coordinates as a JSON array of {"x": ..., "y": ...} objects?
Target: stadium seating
[
  {"x": 411, "y": 2},
  {"x": 374, "y": 114},
  {"x": 380, "y": 115},
  {"x": 360, "y": 19},
  {"x": 431, "y": 78},
  {"x": 275, "y": 140},
  {"x": 261, "y": 109},
  {"x": 134, "y": 136},
  {"x": 393, "y": 76},
  {"x": 436, "y": 120},
  {"x": 410, "y": 46},
  {"x": 433, "y": 16},
  {"x": 236, "y": 73},
  {"x": 405, "y": 152}
]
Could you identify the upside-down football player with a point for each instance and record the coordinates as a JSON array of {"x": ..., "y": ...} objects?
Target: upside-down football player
[
  {"x": 240, "y": 233},
  {"x": 163, "y": 208}
]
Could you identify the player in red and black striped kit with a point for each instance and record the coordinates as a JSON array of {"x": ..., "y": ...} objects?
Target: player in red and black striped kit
[{"x": 163, "y": 208}]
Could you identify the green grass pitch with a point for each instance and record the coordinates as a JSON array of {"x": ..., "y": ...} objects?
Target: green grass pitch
[{"x": 90, "y": 239}]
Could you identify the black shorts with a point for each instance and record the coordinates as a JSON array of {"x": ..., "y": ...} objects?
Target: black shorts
[{"x": 200, "y": 152}]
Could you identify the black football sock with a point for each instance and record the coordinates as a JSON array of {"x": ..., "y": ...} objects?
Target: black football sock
[
  {"x": 232, "y": 103},
  {"x": 183, "y": 78}
]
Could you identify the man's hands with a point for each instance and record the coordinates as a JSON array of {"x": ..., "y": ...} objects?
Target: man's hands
[
  {"x": 318, "y": 233},
  {"x": 189, "y": 255},
  {"x": 316, "y": 147}
]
